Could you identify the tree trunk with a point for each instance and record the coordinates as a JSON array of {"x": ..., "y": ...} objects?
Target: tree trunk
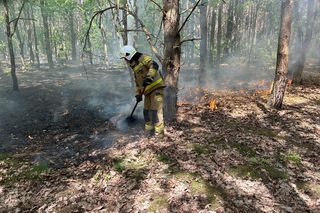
[
  {"x": 125, "y": 24},
  {"x": 203, "y": 42},
  {"x": 212, "y": 36},
  {"x": 219, "y": 37},
  {"x": 172, "y": 54},
  {"x": 44, "y": 14},
  {"x": 35, "y": 38},
  {"x": 280, "y": 80},
  {"x": 254, "y": 30},
  {"x": 73, "y": 36},
  {"x": 29, "y": 33},
  {"x": 10, "y": 47},
  {"x": 299, "y": 66},
  {"x": 229, "y": 30}
]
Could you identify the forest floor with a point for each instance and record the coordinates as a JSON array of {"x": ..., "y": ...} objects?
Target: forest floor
[{"x": 64, "y": 148}]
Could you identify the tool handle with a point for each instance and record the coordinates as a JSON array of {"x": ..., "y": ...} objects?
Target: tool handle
[{"x": 135, "y": 106}]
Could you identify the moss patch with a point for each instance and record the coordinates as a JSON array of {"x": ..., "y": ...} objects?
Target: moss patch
[
  {"x": 159, "y": 202},
  {"x": 258, "y": 168},
  {"x": 214, "y": 194}
]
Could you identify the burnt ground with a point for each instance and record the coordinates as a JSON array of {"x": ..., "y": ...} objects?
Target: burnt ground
[{"x": 65, "y": 148}]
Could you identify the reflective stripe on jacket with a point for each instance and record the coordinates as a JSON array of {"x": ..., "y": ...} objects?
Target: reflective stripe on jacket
[{"x": 145, "y": 67}]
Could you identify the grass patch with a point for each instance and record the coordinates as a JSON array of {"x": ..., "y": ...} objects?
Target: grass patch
[
  {"x": 164, "y": 158},
  {"x": 4, "y": 156},
  {"x": 244, "y": 149},
  {"x": 158, "y": 203},
  {"x": 101, "y": 176},
  {"x": 118, "y": 164},
  {"x": 35, "y": 172},
  {"x": 293, "y": 157},
  {"x": 256, "y": 168},
  {"x": 18, "y": 173},
  {"x": 200, "y": 149}
]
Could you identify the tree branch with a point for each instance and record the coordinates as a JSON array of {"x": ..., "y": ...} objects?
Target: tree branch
[
  {"x": 185, "y": 21},
  {"x": 158, "y": 5},
  {"x": 16, "y": 23},
  {"x": 27, "y": 19},
  {"x": 190, "y": 39},
  {"x": 144, "y": 29}
]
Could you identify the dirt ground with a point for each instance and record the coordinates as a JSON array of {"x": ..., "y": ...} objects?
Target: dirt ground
[{"x": 65, "y": 148}]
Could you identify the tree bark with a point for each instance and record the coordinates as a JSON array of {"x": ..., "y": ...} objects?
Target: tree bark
[
  {"x": 280, "y": 80},
  {"x": 203, "y": 42},
  {"x": 44, "y": 14},
  {"x": 299, "y": 66},
  {"x": 10, "y": 47},
  {"x": 172, "y": 54}
]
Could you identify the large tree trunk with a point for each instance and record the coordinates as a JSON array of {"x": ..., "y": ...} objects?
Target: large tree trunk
[
  {"x": 212, "y": 36},
  {"x": 299, "y": 66},
  {"x": 73, "y": 36},
  {"x": 172, "y": 54},
  {"x": 44, "y": 14},
  {"x": 280, "y": 80},
  {"x": 10, "y": 47},
  {"x": 204, "y": 42}
]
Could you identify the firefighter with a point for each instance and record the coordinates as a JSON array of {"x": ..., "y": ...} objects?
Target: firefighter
[{"x": 149, "y": 82}]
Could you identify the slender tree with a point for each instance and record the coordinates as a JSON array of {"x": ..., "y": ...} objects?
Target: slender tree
[
  {"x": 203, "y": 42},
  {"x": 172, "y": 54},
  {"x": 280, "y": 80},
  {"x": 44, "y": 13},
  {"x": 299, "y": 66}
]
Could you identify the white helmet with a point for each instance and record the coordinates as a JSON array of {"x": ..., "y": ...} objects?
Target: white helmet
[{"x": 127, "y": 52}]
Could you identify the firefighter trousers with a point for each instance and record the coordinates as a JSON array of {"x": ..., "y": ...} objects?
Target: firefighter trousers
[{"x": 153, "y": 112}]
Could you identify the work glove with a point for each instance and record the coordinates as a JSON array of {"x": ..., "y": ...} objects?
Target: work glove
[
  {"x": 138, "y": 98},
  {"x": 147, "y": 81}
]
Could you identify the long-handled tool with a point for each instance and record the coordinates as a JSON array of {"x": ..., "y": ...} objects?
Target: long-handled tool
[{"x": 131, "y": 119}]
